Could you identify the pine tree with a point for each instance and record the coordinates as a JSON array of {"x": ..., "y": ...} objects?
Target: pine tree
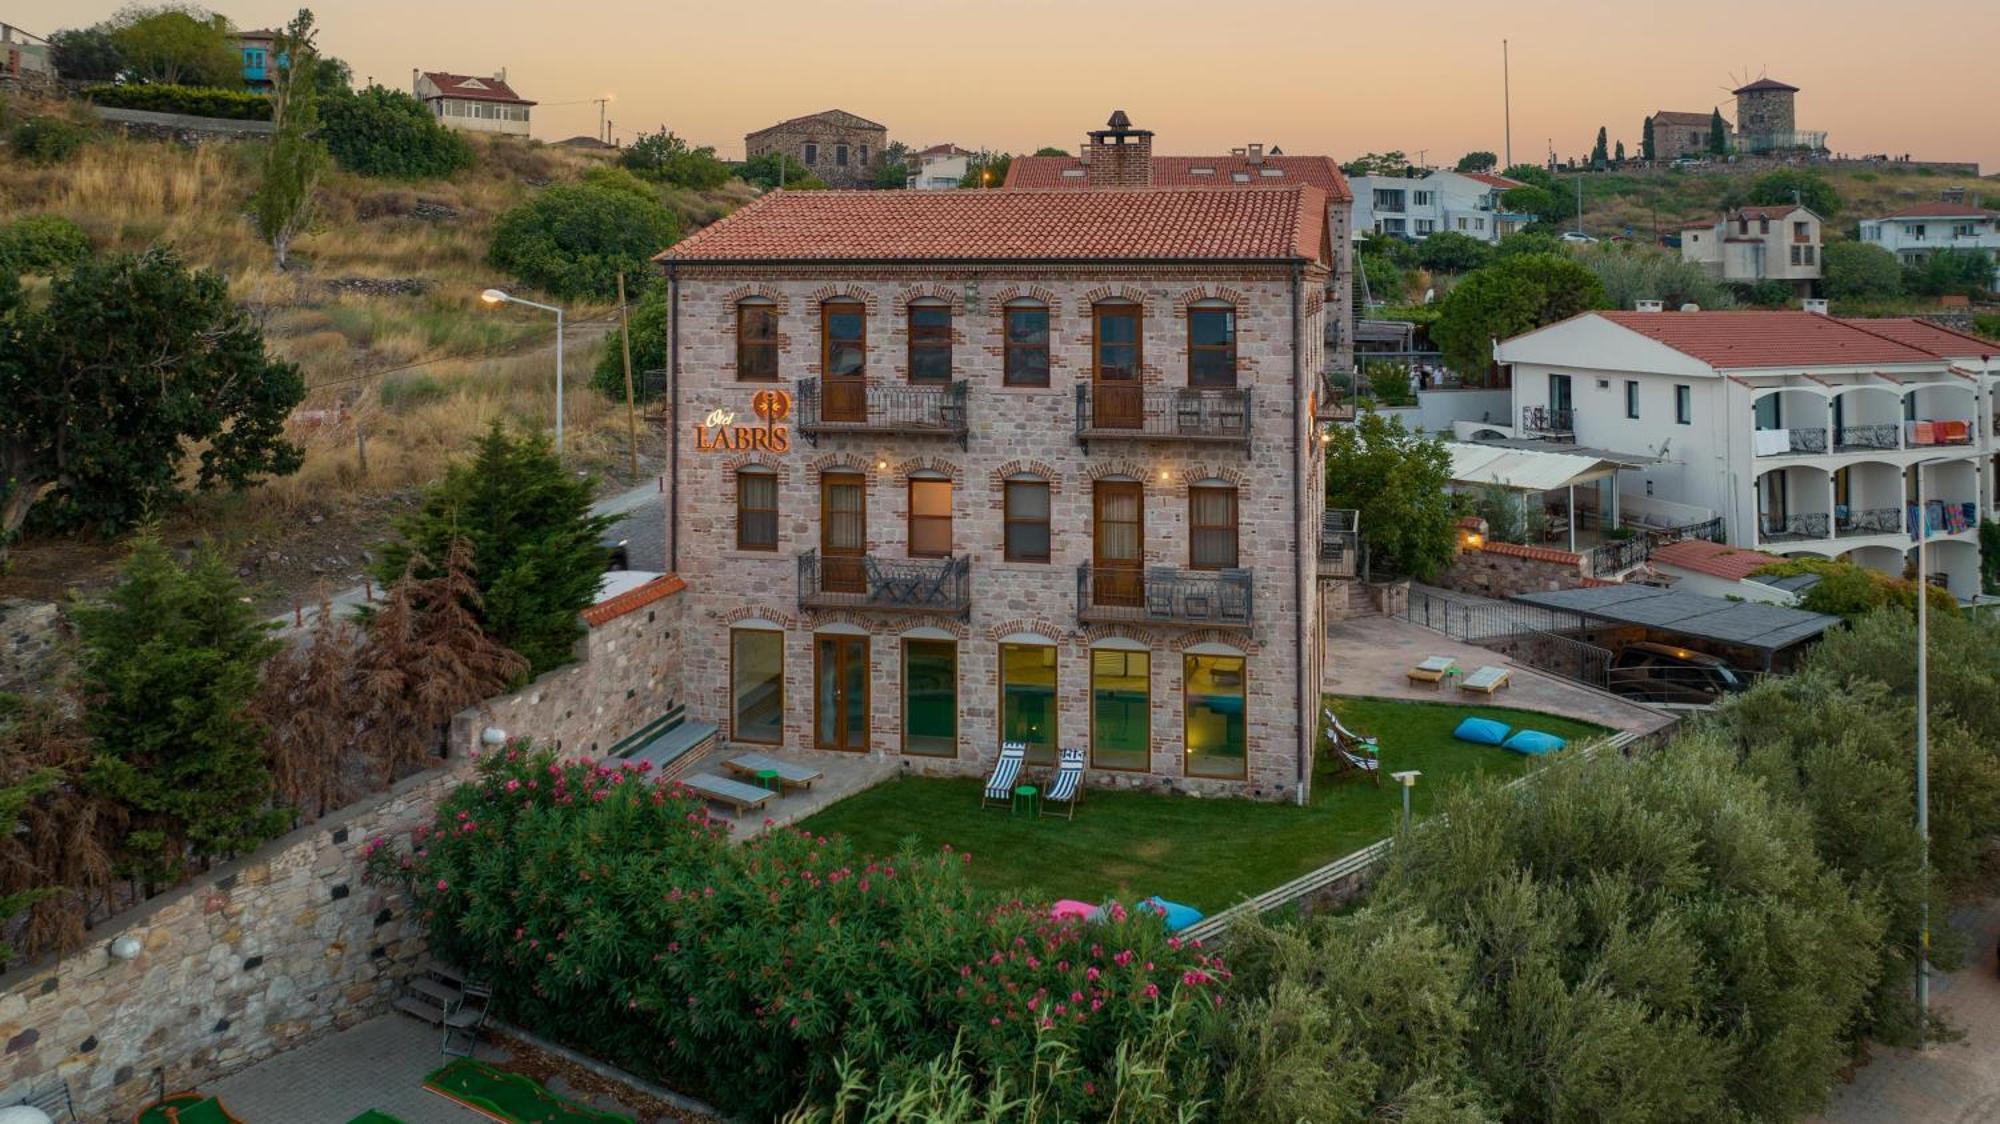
[
  {"x": 170, "y": 667},
  {"x": 1599, "y": 153},
  {"x": 1646, "y": 142},
  {"x": 1718, "y": 134},
  {"x": 311, "y": 703},
  {"x": 1618, "y": 157}
]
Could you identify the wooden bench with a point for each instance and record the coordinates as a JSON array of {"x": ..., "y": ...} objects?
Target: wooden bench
[
  {"x": 668, "y": 741},
  {"x": 722, "y": 790}
]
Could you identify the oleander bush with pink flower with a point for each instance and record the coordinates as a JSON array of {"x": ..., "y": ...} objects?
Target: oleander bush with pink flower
[{"x": 613, "y": 913}]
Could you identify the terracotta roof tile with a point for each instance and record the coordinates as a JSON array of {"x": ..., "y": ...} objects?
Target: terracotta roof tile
[
  {"x": 1133, "y": 224},
  {"x": 1766, "y": 339},
  {"x": 1763, "y": 84},
  {"x": 1718, "y": 560},
  {"x": 1491, "y": 180},
  {"x": 482, "y": 88},
  {"x": 1534, "y": 553},
  {"x": 1179, "y": 171},
  {"x": 1927, "y": 335},
  {"x": 1936, "y": 210},
  {"x": 666, "y": 585}
]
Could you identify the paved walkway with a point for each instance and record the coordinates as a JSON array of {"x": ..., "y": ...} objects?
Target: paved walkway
[
  {"x": 380, "y": 1064},
  {"x": 1953, "y": 1082},
  {"x": 846, "y": 774},
  {"x": 1370, "y": 656}
]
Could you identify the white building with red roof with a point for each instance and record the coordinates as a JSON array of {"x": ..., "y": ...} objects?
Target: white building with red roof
[
  {"x": 474, "y": 103},
  {"x": 1915, "y": 233},
  {"x": 1418, "y": 206},
  {"x": 1803, "y": 432},
  {"x": 1751, "y": 245},
  {"x": 960, "y": 470}
]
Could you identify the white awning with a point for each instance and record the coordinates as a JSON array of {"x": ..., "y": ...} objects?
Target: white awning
[{"x": 1523, "y": 470}]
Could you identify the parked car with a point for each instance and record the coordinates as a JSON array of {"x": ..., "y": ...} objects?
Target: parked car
[
  {"x": 1663, "y": 673},
  {"x": 1576, "y": 236}
]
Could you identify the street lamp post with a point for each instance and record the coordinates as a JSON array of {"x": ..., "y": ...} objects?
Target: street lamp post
[
  {"x": 497, "y": 297},
  {"x": 1923, "y": 760}
]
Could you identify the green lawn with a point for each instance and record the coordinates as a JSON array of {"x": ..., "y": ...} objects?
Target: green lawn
[{"x": 1206, "y": 852}]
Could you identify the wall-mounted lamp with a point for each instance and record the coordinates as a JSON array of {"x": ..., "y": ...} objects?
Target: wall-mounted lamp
[{"x": 126, "y": 947}]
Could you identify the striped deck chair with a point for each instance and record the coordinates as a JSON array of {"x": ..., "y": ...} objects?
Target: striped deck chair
[
  {"x": 1067, "y": 788},
  {"x": 1006, "y": 772},
  {"x": 1354, "y": 752}
]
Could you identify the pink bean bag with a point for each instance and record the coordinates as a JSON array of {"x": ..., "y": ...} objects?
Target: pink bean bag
[{"x": 1070, "y": 907}]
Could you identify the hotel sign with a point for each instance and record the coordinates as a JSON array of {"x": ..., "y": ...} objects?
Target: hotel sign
[{"x": 719, "y": 431}]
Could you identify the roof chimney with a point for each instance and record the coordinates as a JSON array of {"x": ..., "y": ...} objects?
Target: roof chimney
[
  {"x": 1651, "y": 306},
  {"x": 1119, "y": 155},
  {"x": 1256, "y": 153},
  {"x": 1814, "y": 304},
  {"x": 500, "y": 76}
]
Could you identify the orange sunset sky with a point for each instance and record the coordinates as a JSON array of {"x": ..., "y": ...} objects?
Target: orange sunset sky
[{"x": 1914, "y": 76}]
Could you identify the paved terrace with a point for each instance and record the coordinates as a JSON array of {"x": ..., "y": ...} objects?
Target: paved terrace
[
  {"x": 844, "y": 776},
  {"x": 380, "y": 1064},
  {"x": 1370, "y": 656}
]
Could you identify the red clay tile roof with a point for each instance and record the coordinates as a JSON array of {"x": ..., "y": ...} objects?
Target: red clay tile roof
[
  {"x": 666, "y": 585},
  {"x": 482, "y": 87},
  {"x": 1773, "y": 212},
  {"x": 1533, "y": 553},
  {"x": 1717, "y": 560},
  {"x": 1491, "y": 180},
  {"x": 1178, "y": 171},
  {"x": 1763, "y": 84},
  {"x": 832, "y": 118},
  {"x": 1132, "y": 224},
  {"x": 945, "y": 149},
  {"x": 1766, "y": 339},
  {"x": 1942, "y": 211},
  {"x": 1928, "y": 335}
]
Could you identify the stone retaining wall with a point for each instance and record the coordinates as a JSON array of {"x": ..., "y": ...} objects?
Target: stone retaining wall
[
  {"x": 181, "y": 127},
  {"x": 1498, "y": 569}
]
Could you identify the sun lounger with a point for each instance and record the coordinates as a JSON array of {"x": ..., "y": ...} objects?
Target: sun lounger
[
  {"x": 1006, "y": 771},
  {"x": 722, "y": 790},
  {"x": 1432, "y": 670},
  {"x": 789, "y": 775},
  {"x": 1486, "y": 680},
  {"x": 1067, "y": 788}
]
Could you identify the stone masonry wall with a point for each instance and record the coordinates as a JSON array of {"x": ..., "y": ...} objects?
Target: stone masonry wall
[
  {"x": 1499, "y": 569},
  {"x": 825, "y": 132},
  {"x": 1013, "y": 430},
  {"x": 30, "y": 632}
]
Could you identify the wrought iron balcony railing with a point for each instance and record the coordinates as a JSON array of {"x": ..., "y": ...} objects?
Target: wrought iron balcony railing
[
  {"x": 1340, "y": 544},
  {"x": 1219, "y": 415},
  {"x": 1163, "y": 595},
  {"x": 1792, "y": 528},
  {"x": 1548, "y": 421},
  {"x": 1615, "y": 556},
  {"x": 1869, "y": 521},
  {"x": 1885, "y": 435},
  {"x": 900, "y": 585},
  {"x": 865, "y": 406}
]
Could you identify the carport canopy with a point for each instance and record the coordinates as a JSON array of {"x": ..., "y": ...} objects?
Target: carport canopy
[{"x": 1750, "y": 624}]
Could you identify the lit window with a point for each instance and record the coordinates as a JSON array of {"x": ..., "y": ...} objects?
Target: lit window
[
  {"x": 1028, "y": 699},
  {"x": 1216, "y": 733},
  {"x": 1121, "y": 710},
  {"x": 930, "y": 517}
]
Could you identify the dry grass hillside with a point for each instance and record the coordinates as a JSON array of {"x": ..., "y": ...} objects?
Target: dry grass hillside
[
  {"x": 380, "y": 308},
  {"x": 1665, "y": 200}
]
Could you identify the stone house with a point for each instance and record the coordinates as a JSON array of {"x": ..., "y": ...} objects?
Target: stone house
[
  {"x": 1120, "y": 155},
  {"x": 1754, "y": 244},
  {"x": 833, "y": 144},
  {"x": 1677, "y": 134},
  {"x": 473, "y": 104},
  {"x": 965, "y": 468}
]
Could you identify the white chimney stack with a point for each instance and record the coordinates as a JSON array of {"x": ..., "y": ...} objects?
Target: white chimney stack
[
  {"x": 1256, "y": 153},
  {"x": 1651, "y": 306},
  {"x": 1815, "y": 305}
]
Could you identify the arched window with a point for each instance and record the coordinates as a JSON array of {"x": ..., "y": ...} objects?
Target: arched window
[
  {"x": 1025, "y": 518},
  {"x": 930, "y": 340},
  {"x": 1027, "y": 344},
  {"x": 1211, "y": 343},
  {"x": 756, "y": 340},
  {"x": 756, "y": 508},
  {"x": 1212, "y": 518}
]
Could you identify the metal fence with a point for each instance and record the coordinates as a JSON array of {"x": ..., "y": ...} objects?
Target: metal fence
[
  {"x": 1162, "y": 593},
  {"x": 1340, "y": 543},
  {"x": 1615, "y": 556},
  {"x": 905, "y": 409},
  {"x": 1529, "y": 634},
  {"x": 1184, "y": 413},
  {"x": 892, "y": 584}
]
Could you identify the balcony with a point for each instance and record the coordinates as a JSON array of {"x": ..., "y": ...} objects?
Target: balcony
[
  {"x": 1803, "y": 441},
  {"x": 1886, "y": 435},
  {"x": 1163, "y": 595},
  {"x": 1548, "y": 421},
  {"x": 890, "y": 585},
  {"x": 1792, "y": 528},
  {"x": 1925, "y": 434},
  {"x": 1207, "y": 415},
  {"x": 1340, "y": 543},
  {"x": 1856, "y": 522},
  {"x": 903, "y": 409}
]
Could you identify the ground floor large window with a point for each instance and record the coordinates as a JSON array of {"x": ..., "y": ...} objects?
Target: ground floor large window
[
  {"x": 930, "y": 697},
  {"x": 1028, "y": 699},
  {"x": 757, "y": 685},
  {"x": 1217, "y": 737},
  {"x": 1121, "y": 727}
]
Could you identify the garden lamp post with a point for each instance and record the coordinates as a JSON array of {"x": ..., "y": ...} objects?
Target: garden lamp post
[
  {"x": 1408, "y": 779},
  {"x": 497, "y": 297}
]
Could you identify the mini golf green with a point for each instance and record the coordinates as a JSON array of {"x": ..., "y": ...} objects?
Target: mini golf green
[
  {"x": 510, "y": 1097},
  {"x": 187, "y": 1108}
]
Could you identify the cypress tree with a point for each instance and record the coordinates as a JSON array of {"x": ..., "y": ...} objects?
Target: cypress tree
[
  {"x": 1646, "y": 141},
  {"x": 1599, "y": 153},
  {"x": 1718, "y": 134}
]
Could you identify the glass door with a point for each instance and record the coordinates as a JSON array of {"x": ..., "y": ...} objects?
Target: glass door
[
  {"x": 843, "y": 532},
  {"x": 840, "y": 693},
  {"x": 1119, "y": 547}
]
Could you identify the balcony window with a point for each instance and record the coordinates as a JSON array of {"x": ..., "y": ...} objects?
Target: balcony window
[
  {"x": 1028, "y": 699},
  {"x": 757, "y": 686},
  {"x": 1217, "y": 737},
  {"x": 1121, "y": 709},
  {"x": 930, "y": 341},
  {"x": 930, "y": 517},
  {"x": 1115, "y": 342},
  {"x": 1212, "y": 526},
  {"x": 1420, "y": 198},
  {"x": 1801, "y": 232},
  {"x": 1426, "y": 226},
  {"x": 1212, "y": 344},
  {"x": 930, "y": 698},
  {"x": 844, "y": 338},
  {"x": 1026, "y": 519},
  {"x": 1027, "y": 344},
  {"x": 756, "y": 341},
  {"x": 756, "y": 508}
]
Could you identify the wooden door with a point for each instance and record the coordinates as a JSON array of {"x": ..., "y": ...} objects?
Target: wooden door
[
  {"x": 844, "y": 359},
  {"x": 1118, "y": 550},
  {"x": 843, "y": 532},
  {"x": 840, "y": 693},
  {"x": 1116, "y": 399}
]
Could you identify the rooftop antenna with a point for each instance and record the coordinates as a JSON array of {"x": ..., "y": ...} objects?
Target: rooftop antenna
[{"x": 1507, "y": 104}]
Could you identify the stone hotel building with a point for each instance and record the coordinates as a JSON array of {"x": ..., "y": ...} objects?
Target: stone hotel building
[{"x": 954, "y": 469}]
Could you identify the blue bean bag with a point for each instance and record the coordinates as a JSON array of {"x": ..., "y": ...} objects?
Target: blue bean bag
[
  {"x": 1484, "y": 731},
  {"x": 1534, "y": 743},
  {"x": 1177, "y": 916}
]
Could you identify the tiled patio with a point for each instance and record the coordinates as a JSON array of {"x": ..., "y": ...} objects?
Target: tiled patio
[
  {"x": 1370, "y": 656},
  {"x": 844, "y": 775},
  {"x": 380, "y": 1064}
]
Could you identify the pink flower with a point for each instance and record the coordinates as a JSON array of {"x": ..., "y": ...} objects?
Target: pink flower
[
  {"x": 1152, "y": 991},
  {"x": 513, "y": 786},
  {"x": 441, "y": 885}
]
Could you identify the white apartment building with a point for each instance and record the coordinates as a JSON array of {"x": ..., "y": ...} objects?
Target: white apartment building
[
  {"x": 1914, "y": 233},
  {"x": 939, "y": 167},
  {"x": 1803, "y": 432},
  {"x": 1417, "y": 207},
  {"x": 1758, "y": 244},
  {"x": 472, "y": 103}
]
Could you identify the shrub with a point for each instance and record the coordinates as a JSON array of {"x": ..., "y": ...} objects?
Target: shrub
[
  {"x": 1967, "y": 273},
  {"x": 44, "y": 244},
  {"x": 667, "y": 158},
  {"x": 383, "y": 132},
  {"x": 405, "y": 391},
  {"x": 1851, "y": 591},
  {"x": 1448, "y": 251},
  {"x": 1389, "y": 382},
  {"x": 649, "y": 347},
  {"x": 1786, "y": 185},
  {"x": 190, "y": 101},
  {"x": 1768, "y": 294},
  {"x": 46, "y": 140},
  {"x": 1635, "y": 273},
  {"x": 1511, "y": 296},
  {"x": 747, "y": 972},
  {"x": 572, "y": 240},
  {"x": 1397, "y": 480},
  {"x": 1860, "y": 271}
]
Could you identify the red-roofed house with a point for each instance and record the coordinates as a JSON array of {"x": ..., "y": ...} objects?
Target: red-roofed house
[
  {"x": 962, "y": 469},
  {"x": 476, "y": 104},
  {"x": 1120, "y": 155},
  {"x": 939, "y": 167},
  {"x": 1751, "y": 245},
  {"x": 1802, "y": 431},
  {"x": 1915, "y": 233},
  {"x": 1718, "y": 570}
]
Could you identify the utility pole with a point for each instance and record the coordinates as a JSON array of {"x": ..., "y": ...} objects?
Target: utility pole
[
  {"x": 631, "y": 410},
  {"x": 1923, "y": 760},
  {"x": 1579, "y": 202},
  {"x": 1507, "y": 104},
  {"x": 600, "y": 117}
]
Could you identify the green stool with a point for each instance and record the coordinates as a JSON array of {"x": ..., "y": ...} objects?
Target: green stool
[
  {"x": 768, "y": 779},
  {"x": 1026, "y": 796}
]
